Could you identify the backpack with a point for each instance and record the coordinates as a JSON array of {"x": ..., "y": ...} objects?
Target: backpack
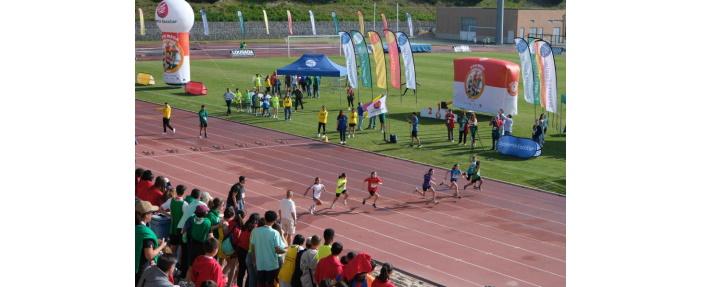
[{"x": 297, "y": 274}]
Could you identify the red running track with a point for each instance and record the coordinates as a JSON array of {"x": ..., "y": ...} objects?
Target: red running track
[{"x": 504, "y": 235}]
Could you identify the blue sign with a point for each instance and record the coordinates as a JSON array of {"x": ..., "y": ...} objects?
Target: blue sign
[{"x": 518, "y": 147}]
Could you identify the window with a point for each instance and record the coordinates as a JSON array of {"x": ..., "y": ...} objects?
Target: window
[
  {"x": 540, "y": 33},
  {"x": 556, "y": 35},
  {"x": 532, "y": 32},
  {"x": 520, "y": 32},
  {"x": 467, "y": 24}
]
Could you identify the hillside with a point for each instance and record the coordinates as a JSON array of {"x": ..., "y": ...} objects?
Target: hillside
[{"x": 225, "y": 10}]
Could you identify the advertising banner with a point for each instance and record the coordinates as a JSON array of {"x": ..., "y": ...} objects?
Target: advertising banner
[
  {"x": 289, "y": 22},
  {"x": 524, "y": 54},
  {"x": 410, "y": 25},
  {"x": 376, "y": 107},
  {"x": 362, "y": 49},
  {"x": 378, "y": 56},
  {"x": 485, "y": 85},
  {"x": 393, "y": 51},
  {"x": 548, "y": 76},
  {"x": 518, "y": 147},
  {"x": 349, "y": 54},
  {"x": 265, "y": 19},
  {"x": 175, "y": 19},
  {"x": 408, "y": 59}
]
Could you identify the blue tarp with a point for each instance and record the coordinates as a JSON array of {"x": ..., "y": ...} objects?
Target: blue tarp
[
  {"x": 313, "y": 65},
  {"x": 416, "y": 48}
]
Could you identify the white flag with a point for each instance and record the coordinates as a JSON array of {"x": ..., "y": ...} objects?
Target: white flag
[
  {"x": 410, "y": 25},
  {"x": 376, "y": 107},
  {"x": 408, "y": 59},
  {"x": 311, "y": 18},
  {"x": 349, "y": 54},
  {"x": 524, "y": 55}
]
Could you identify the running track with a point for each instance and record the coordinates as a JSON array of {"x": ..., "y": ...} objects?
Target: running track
[{"x": 503, "y": 236}]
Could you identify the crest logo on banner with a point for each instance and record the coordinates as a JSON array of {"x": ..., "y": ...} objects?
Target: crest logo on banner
[
  {"x": 310, "y": 63},
  {"x": 521, "y": 46},
  {"x": 545, "y": 51},
  {"x": 513, "y": 89},
  {"x": 162, "y": 9},
  {"x": 474, "y": 83}
]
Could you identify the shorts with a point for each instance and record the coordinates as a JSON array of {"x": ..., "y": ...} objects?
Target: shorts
[
  {"x": 426, "y": 187},
  {"x": 372, "y": 192},
  {"x": 287, "y": 225},
  {"x": 317, "y": 200},
  {"x": 475, "y": 178},
  {"x": 338, "y": 194},
  {"x": 453, "y": 180},
  {"x": 351, "y": 125},
  {"x": 203, "y": 124},
  {"x": 414, "y": 134}
]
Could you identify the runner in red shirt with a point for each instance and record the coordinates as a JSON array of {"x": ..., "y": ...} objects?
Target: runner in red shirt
[{"x": 374, "y": 183}]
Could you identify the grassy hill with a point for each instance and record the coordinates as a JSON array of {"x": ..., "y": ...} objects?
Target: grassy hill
[{"x": 225, "y": 10}]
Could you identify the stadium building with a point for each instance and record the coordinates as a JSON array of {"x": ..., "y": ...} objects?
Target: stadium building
[{"x": 479, "y": 25}]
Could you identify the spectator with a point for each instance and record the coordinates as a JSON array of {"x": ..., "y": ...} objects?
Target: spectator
[
  {"x": 414, "y": 121},
  {"x": 228, "y": 98},
  {"x": 154, "y": 194},
  {"x": 287, "y": 81},
  {"x": 308, "y": 83},
  {"x": 315, "y": 85},
  {"x": 323, "y": 118},
  {"x": 246, "y": 101},
  {"x": 303, "y": 84},
  {"x": 508, "y": 125},
  {"x": 237, "y": 195},
  {"x": 196, "y": 231},
  {"x": 502, "y": 118},
  {"x": 308, "y": 262},
  {"x": 176, "y": 206},
  {"x": 289, "y": 264},
  {"x": 381, "y": 117},
  {"x": 265, "y": 246},
  {"x": 537, "y": 133},
  {"x": 543, "y": 120},
  {"x": 496, "y": 125},
  {"x": 205, "y": 267},
  {"x": 357, "y": 270},
  {"x": 472, "y": 125},
  {"x": 268, "y": 84},
  {"x": 242, "y": 247},
  {"x": 361, "y": 115},
  {"x": 383, "y": 280},
  {"x": 325, "y": 250},
  {"x": 352, "y": 122},
  {"x": 450, "y": 124},
  {"x": 158, "y": 275},
  {"x": 258, "y": 82},
  {"x": 342, "y": 125},
  {"x": 330, "y": 267},
  {"x": 221, "y": 232},
  {"x": 148, "y": 246},
  {"x": 266, "y": 108},
  {"x": 288, "y": 215},
  {"x": 462, "y": 128},
  {"x": 234, "y": 227},
  {"x": 208, "y": 283},
  {"x": 255, "y": 103},
  {"x": 350, "y": 96},
  {"x": 145, "y": 182},
  {"x": 298, "y": 99},
  {"x": 275, "y": 104},
  {"x": 139, "y": 172},
  {"x": 214, "y": 211},
  {"x": 287, "y": 104}
]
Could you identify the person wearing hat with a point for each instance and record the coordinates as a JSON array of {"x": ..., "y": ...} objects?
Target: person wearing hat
[
  {"x": 148, "y": 246},
  {"x": 195, "y": 233}
]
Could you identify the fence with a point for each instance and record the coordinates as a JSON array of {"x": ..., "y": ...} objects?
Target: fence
[{"x": 278, "y": 29}]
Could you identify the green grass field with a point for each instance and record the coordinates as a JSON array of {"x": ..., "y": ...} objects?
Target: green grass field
[{"x": 434, "y": 74}]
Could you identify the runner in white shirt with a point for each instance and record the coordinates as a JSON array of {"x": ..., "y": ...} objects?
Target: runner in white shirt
[
  {"x": 288, "y": 215},
  {"x": 316, "y": 188}
]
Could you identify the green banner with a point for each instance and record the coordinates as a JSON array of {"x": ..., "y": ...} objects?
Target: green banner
[
  {"x": 241, "y": 24},
  {"x": 536, "y": 72},
  {"x": 362, "y": 50},
  {"x": 335, "y": 21},
  {"x": 563, "y": 99}
]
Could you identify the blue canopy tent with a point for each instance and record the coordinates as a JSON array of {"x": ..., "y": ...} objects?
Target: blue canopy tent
[{"x": 314, "y": 65}]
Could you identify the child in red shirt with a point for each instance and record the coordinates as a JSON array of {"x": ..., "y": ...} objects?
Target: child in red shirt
[
  {"x": 205, "y": 267},
  {"x": 330, "y": 267},
  {"x": 450, "y": 124},
  {"x": 374, "y": 183},
  {"x": 383, "y": 280}
]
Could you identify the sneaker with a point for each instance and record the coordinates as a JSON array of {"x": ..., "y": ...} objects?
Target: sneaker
[
  {"x": 318, "y": 135},
  {"x": 332, "y": 205},
  {"x": 363, "y": 201},
  {"x": 173, "y": 130},
  {"x": 345, "y": 202},
  {"x": 200, "y": 136},
  {"x": 164, "y": 133},
  {"x": 374, "y": 206}
]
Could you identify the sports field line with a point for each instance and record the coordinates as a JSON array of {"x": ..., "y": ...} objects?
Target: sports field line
[
  {"x": 262, "y": 209},
  {"x": 412, "y": 186},
  {"x": 221, "y": 150},
  {"x": 429, "y": 210},
  {"x": 361, "y": 227},
  {"x": 502, "y": 166}
]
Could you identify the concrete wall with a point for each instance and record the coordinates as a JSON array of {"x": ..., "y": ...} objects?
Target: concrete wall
[
  {"x": 256, "y": 29},
  {"x": 448, "y": 23}
]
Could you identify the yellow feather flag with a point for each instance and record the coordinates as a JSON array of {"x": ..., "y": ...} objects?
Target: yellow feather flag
[
  {"x": 361, "y": 23},
  {"x": 378, "y": 56},
  {"x": 142, "y": 28},
  {"x": 265, "y": 18}
]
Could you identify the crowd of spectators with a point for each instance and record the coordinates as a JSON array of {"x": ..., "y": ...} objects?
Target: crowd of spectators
[{"x": 196, "y": 240}]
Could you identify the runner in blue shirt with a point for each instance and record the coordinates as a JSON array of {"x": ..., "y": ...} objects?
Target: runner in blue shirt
[
  {"x": 428, "y": 185},
  {"x": 454, "y": 175},
  {"x": 414, "y": 120}
]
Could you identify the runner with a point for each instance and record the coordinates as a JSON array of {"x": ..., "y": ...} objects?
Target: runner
[
  {"x": 166, "y": 118},
  {"x": 374, "y": 183},
  {"x": 454, "y": 175},
  {"x": 428, "y": 185},
  {"x": 414, "y": 121},
  {"x": 316, "y": 188},
  {"x": 475, "y": 178},
  {"x": 203, "y": 120},
  {"x": 341, "y": 189},
  {"x": 471, "y": 168}
]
